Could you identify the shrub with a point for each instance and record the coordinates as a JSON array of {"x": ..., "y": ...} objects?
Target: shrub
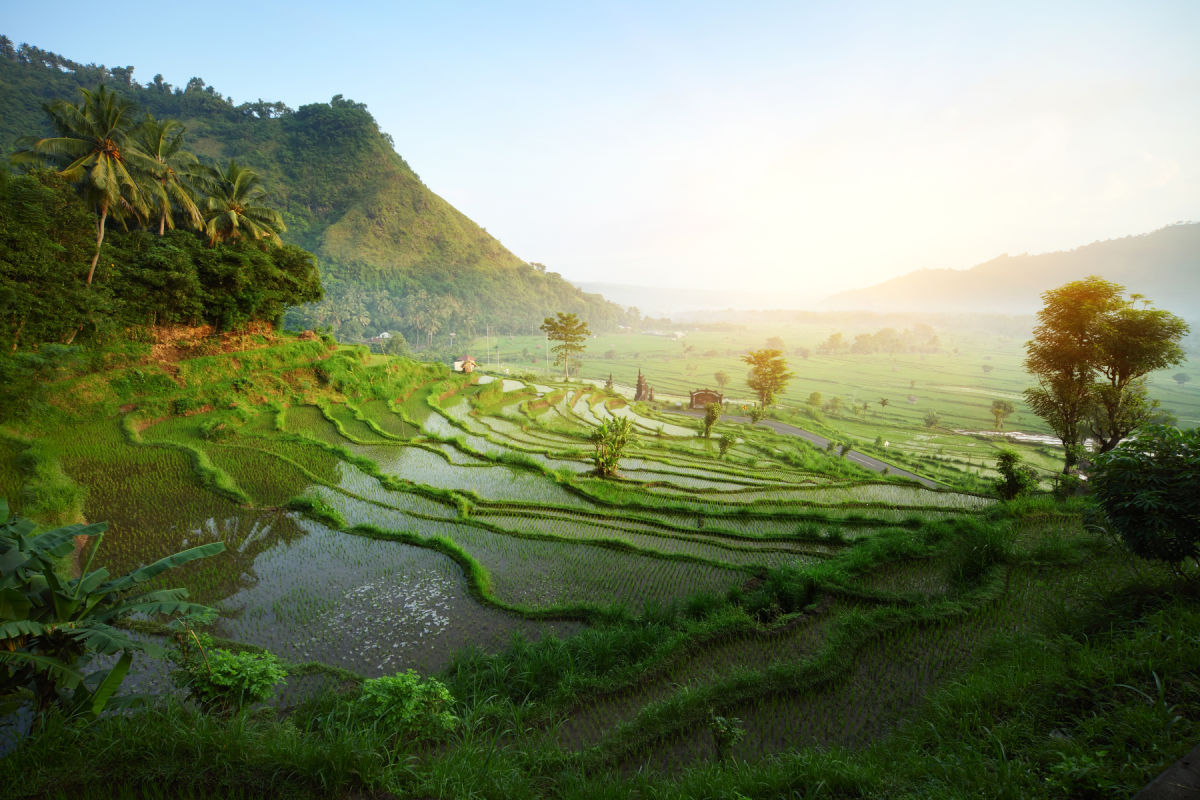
[
  {"x": 223, "y": 682},
  {"x": 1016, "y": 478},
  {"x": 611, "y": 439},
  {"x": 404, "y": 703},
  {"x": 1148, "y": 489}
]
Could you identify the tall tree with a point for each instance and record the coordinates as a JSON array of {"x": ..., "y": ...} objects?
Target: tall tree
[
  {"x": 768, "y": 374},
  {"x": 230, "y": 208},
  {"x": 166, "y": 189},
  {"x": 570, "y": 332},
  {"x": 1089, "y": 352},
  {"x": 94, "y": 149}
]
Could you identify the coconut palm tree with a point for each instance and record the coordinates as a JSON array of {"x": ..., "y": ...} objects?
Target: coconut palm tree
[
  {"x": 95, "y": 150},
  {"x": 165, "y": 187},
  {"x": 229, "y": 208}
]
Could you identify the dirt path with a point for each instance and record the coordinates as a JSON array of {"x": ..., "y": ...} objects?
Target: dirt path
[{"x": 861, "y": 459}]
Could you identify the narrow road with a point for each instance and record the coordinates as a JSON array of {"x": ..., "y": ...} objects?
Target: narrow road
[{"x": 861, "y": 459}]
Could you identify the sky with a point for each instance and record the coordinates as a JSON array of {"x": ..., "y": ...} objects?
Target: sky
[{"x": 798, "y": 147}]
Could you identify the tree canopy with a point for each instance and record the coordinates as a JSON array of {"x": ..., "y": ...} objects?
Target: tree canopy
[
  {"x": 768, "y": 374},
  {"x": 1090, "y": 352},
  {"x": 570, "y": 332}
]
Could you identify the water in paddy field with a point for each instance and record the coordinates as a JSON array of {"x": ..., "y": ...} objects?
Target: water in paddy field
[{"x": 371, "y": 606}]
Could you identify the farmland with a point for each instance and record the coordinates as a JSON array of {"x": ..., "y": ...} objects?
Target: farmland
[{"x": 383, "y": 514}]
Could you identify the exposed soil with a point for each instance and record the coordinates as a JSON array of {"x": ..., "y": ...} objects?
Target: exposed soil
[{"x": 174, "y": 343}]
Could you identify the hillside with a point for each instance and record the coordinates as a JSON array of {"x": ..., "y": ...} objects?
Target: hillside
[
  {"x": 380, "y": 234},
  {"x": 1163, "y": 265}
]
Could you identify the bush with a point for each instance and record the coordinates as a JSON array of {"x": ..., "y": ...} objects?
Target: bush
[
  {"x": 223, "y": 682},
  {"x": 406, "y": 704},
  {"x": 1016, "y": 478},
  {"x": 1148, "y": 489}
]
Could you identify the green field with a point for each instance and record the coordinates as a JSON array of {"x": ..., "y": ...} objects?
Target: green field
[{"x": 385, "y": 515}]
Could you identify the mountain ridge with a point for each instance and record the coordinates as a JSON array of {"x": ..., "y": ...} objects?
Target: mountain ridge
[{"x": 1163, "y": 265}]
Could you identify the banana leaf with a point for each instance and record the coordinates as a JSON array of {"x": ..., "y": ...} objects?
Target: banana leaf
[{"x": 143, "y": 574}]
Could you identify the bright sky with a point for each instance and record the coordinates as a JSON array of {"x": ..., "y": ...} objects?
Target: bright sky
[{"x": 808, "y": 146}]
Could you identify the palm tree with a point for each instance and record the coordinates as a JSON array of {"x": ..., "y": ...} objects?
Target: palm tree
[
  {"x": 163, "y": 143},
  {"x": 229, "y": 211},
  {"x": 94, "y": 141}
]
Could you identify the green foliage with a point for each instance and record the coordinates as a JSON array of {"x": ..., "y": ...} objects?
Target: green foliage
[
  {"x": 1016, "y": 478},
  {"x": 1148, "y": 489},
  {"x": 974, "y": 547},
  {"x": 51, "y": 626},
  {"x": 932, "y": 418},
  {"x": 1089, "y": 354},
  {"x": 570, "y": 332},
  {"x": 725, "y": 442},
  {"x": 726, "y": 733},
  {"x": 406, "y": 705},
  {"x": 223, "y": 682},
  {"x": 712, "y": 413},
  {"x": 611, "y": 439},
  {"x": 768, "y": 374}
]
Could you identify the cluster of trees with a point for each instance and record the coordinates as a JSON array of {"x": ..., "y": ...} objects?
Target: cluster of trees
[
  {"x": 60, "y": 277},
  {"x": 1090, "y": 353},
  {"x": 920, "y": 338}
]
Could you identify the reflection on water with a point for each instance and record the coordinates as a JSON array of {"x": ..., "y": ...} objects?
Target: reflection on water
[{"x": 371, "y": 606}]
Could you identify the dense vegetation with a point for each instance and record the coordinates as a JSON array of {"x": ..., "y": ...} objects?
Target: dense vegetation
[
  {"x": 394, "y": 256},
  {"x": 46, "y": 243}
]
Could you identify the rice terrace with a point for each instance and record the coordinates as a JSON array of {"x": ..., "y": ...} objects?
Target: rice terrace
[{"x": 310, "y": 488}]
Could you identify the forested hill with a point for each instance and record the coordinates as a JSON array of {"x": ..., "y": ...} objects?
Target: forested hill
[
  {"x": 393, "y": 255},
  {"x": 1163, "y": 265}
]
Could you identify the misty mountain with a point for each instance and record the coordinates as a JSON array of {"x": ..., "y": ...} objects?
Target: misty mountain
[{"x": 1163, "y": 265}]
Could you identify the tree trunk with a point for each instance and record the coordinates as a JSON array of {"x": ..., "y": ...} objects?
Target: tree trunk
[
  {"x": 99, "y": 241},
  {"x": 17, "y": 335}
]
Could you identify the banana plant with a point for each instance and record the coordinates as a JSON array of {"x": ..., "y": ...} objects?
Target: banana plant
[{"x": 52, "y": 626}]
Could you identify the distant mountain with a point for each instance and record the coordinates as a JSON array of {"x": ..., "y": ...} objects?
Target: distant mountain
[
  {"x": 380, "y": 234},
  {"x": 1163, "y": 265},
  {"x": 662, "y": 301}
]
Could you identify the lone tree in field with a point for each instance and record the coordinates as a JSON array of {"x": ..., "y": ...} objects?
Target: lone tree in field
[
  {"x": 1001, "y": 410},
  {"x": 768, "y": 374},
  {"x": 722, "y": 379},
  {"x": 570, "y": 332},
  {"x": 1090, "y": 353},
  {"x": 1181, "y": 378}
]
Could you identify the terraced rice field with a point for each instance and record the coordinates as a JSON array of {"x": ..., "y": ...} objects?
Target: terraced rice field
[{"x": 455, "y": 515}]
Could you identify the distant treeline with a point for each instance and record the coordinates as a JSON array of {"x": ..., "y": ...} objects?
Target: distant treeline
[{"x": 918, "y": 339}]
